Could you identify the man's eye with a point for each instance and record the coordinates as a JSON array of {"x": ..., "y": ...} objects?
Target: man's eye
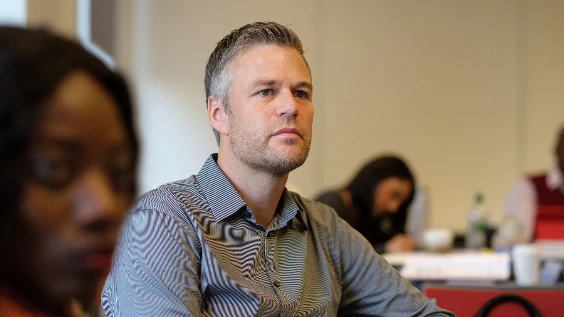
[
  {"x": 54, "y": 173},
  {"x": 265, "y": 92},
  {"x": 301, "y": 94}
]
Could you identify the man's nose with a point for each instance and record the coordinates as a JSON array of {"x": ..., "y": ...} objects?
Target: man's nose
[{"x": 287, "y": 105}]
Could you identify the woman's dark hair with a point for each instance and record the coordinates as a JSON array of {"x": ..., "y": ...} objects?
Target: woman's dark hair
[
  {"x": 371, "y": 174},
  {"x": 33, "y": 63}
]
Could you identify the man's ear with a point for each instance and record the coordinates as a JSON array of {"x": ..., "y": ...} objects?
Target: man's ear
[{"x": 217, "y": 115}]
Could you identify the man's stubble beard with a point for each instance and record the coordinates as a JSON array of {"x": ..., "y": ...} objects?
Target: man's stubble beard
[{"x": 251, "y": 149}]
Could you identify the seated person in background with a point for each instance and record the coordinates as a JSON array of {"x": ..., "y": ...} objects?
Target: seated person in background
[
  {"x": 232, "y": 240},
  {"x": 68, "y": 153},
  {"x": 376, "y": 203},
  {"x": 537, "y": 201}
]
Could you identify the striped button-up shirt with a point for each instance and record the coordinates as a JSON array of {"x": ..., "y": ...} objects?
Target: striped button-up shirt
[{"x": 193, "y": 248}]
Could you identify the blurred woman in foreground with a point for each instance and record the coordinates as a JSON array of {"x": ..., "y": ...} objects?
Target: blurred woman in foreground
[{"x": 68, "y": 154}]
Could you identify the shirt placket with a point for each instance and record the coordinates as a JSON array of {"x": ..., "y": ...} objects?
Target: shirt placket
[{"x": 271, "y": 265}]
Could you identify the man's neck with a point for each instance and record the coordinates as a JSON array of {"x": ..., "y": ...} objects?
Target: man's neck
[{"x": 259, "y": 190}]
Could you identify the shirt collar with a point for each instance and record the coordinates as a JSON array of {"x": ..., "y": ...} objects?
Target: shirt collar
[
  {"x": 300, "y": 221},
  {"x": 224, "y": 200},
  {"x": 554, "y": 178},
  {"x": 286, "y": 210},
  {"x": 220, "y": 194}
]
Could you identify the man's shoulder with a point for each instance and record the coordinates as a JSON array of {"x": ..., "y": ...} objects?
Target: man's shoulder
[
  {"x": 170, "y": 196},
  {"x": 310, "y": 204},
  {"x": 316, "y": 211},
  {"x": 329, "y": 194}
]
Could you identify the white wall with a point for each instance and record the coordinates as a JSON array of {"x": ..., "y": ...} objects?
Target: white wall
[
  {"x": 13, "y": 12},
  {"x": 468, "y": 91}
]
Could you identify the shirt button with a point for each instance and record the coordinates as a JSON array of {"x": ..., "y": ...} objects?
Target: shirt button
[{"x": 276, "y": 283}]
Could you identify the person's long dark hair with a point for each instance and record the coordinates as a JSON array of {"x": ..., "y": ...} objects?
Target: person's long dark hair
[
  {"x": 33, "y": 63},
  {"x": 371, "y": 174}
]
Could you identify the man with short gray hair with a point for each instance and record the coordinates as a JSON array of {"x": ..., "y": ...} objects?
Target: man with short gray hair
[{"x": 231, "y": 240}]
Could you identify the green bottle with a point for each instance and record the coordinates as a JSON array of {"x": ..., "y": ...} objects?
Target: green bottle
[{"x": 477, "y": 224}]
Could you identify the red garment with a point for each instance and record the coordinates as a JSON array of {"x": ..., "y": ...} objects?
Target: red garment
[{"x": 549, "y": 223}]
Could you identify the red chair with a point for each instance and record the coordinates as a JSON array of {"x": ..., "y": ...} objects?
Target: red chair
[
  {"x": 467, "y": 301},
  {"x": 549, "y": 224}
]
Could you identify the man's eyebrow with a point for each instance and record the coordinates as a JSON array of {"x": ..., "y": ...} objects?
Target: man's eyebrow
[
  {"x": 268, "y": 83},
  {"x": 306, "y": 84},
  {"x": 263, "y": 83}
]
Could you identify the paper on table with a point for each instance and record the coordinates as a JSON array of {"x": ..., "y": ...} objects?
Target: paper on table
[
  {"x": 551, "y": 249},
  {"x": 456, "y": 266},
  {"x": 397, "y": 258}
]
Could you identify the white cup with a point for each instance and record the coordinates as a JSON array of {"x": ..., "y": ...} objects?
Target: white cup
[
  {"x": 438, "y": 239},
  {"x": 526, "y": 264}
]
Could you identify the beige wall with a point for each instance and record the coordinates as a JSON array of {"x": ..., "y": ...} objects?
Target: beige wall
[
  {"x": 468, "y": 91},
  {"x": 544, "y": 99},
  {"x": 59, "y": 15}
]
